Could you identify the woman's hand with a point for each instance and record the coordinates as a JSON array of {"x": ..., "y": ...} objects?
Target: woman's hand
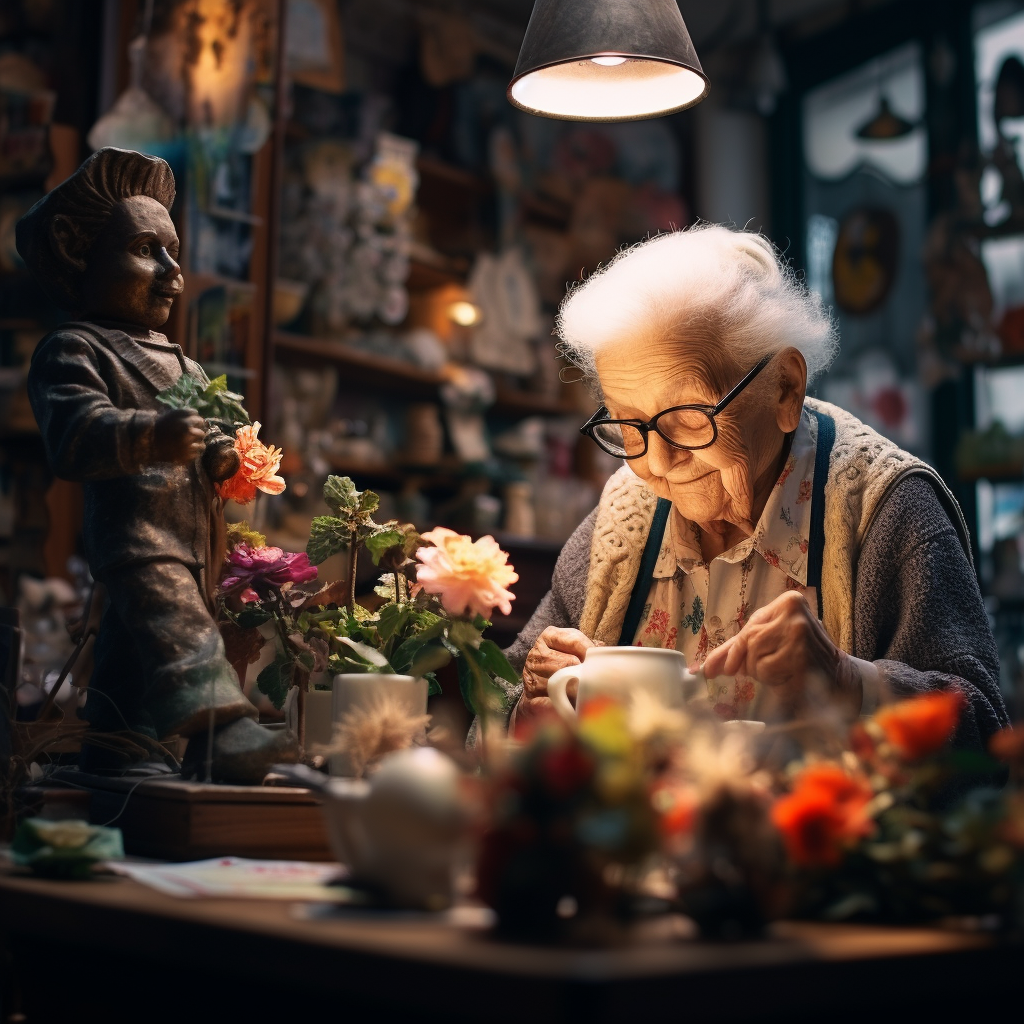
[
  {"x": 785, "y": 647},
  {"x": 555, "y": 648}
]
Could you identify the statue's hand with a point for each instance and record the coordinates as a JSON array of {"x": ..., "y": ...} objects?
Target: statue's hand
[
  {"x": 220, "y": 460},
  {"x": 179, "y": 436}
]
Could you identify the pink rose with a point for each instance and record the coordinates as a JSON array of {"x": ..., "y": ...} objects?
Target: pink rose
[
  {"x": 469, "y": 576},
  {"x": 256, "y": 571}
]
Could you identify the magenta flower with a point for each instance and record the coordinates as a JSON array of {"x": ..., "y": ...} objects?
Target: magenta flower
[{"x": 255, "y": 572}]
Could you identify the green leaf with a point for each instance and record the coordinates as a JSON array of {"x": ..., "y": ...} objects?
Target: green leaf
[
  {"x": 391, "y": 619},
  {"x": 375, "y": 661},
  {"x": 182, "y": 394},
  {"x": 493, "y": 659},
  {"x": 340, "y": 494},
  {"x": 327, "y": 536},
  {"x": 250, "y": 618},
  {"x": 275, "y": 679},
  {"x": 429, "y": 658},
  {"x": 379, "y": 542},
  {"x": 409, "y": 651},
  {"x": 369, "y": 501},
  {"x": 217, "y": 403},
  {"x": 433, "y": 686},
  {"x": 479, "y": 691}
]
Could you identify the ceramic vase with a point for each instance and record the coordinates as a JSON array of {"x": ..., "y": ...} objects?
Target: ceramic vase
[{"x": 354, "y": 690}]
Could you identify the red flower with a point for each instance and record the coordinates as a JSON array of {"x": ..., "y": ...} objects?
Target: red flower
[
  {"x": 804, "y": 493},
  {"x": 921, "y": 725},
  {"x": 825, "y": 812},
  {"x": 658, "y": 622},
  {"x": 725, "y": 711},
  {"x": 566, "y": 769},
  {"x": 771, "y": 557},
  {"x": 1008, "y": 745},
  {"x": 676, "y": 807}
]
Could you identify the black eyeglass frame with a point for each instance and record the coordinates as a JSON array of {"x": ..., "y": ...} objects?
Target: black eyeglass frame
[{"x": 711, "y": 411}]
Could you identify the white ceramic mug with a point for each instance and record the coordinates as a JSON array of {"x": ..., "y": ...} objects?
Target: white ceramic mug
[{"x": 618, "y": 671}]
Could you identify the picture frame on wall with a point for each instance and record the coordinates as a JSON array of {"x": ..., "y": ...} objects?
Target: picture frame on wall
[{"x": 314, "y": 48}]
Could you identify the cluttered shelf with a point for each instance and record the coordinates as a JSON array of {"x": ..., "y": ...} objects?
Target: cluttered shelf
[{"x": 395, "y": 375}]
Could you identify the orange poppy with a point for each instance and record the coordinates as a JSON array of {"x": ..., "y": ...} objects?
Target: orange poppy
[
  {"x": 825, "y": 812},
  {"x": 921, "y": 725}
]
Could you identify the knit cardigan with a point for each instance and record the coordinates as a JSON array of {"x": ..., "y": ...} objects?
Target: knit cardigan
[{"x": 898, "y": 586}]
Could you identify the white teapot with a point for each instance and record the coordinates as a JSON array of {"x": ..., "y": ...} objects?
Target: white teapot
[{"x": 402, "y": 829}]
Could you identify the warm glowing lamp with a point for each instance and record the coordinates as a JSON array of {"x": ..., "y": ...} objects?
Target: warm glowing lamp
[
  {"x": 606, "y": 60},
  {"x": 464, "y": 313}
]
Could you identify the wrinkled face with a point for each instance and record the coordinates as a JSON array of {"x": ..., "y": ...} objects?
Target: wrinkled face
[
  {"x": 131, "y": 274},
  {"x": 713, "y": 484}
]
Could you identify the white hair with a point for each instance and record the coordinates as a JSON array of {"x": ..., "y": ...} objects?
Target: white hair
[{"x": 707, "y": 286}]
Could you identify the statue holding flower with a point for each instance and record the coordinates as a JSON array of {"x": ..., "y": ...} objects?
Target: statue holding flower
[{"x": 155, "y": 444}]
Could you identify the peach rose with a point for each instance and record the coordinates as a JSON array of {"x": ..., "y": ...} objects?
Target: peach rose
[
  {"x": 258, "y": 469},
  {"x": 469, "y": 576}
]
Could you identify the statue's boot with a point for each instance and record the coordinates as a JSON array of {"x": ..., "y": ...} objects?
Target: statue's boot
[{"x": 243, "y": 752}]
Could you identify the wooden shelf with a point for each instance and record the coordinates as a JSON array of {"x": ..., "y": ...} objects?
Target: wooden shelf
[
  {"x": 523, "y": 403},
  {"x": 363, "y": 368},
  {"x": 425, "y": 274},
  {"x": 395, "y": 376}
]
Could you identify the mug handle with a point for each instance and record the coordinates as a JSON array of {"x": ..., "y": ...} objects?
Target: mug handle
[{"x": 557, "y": 685}]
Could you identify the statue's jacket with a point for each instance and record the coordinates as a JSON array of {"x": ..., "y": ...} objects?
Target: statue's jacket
[{"x": 93, "y": 388}]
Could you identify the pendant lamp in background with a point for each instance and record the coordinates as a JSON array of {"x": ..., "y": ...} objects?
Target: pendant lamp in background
[
  {"x": 606, "y": 60},
  {"x": 884, "y": 124}
]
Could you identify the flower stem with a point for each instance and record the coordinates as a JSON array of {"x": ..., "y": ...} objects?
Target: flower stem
[{"x": 353, "y": 551}]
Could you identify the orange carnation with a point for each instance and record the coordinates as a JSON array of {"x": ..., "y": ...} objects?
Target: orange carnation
[
  {"x": 825, "y": 812},
  {"x": 258, "y": 469},
  {"x": 921, "y": 725}
]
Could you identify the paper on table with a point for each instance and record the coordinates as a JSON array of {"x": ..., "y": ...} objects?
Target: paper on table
[{"x": 239, "y": 877}]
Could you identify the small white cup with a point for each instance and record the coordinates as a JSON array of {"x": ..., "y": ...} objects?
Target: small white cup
[{"x": 617, "y": 672}]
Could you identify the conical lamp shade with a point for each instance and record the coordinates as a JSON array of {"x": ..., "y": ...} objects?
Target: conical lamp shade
[
  {"x": 884, "y": 125},
  {"x": 606, "y": 60}
]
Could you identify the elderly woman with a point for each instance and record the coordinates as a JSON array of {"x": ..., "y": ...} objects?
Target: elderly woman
[{"x": 779, "y": 543}]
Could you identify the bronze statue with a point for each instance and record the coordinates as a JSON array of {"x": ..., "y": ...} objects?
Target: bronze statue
[{"x": 103, "y": 244}]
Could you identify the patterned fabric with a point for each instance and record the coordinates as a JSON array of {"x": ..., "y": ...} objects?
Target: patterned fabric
[{"x": 693, "y": 606}]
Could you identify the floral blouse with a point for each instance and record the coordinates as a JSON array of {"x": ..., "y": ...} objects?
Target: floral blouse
[{"x": 694, "y": 607}]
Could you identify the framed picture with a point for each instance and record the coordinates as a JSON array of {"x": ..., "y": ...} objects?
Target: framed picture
[{"x": 313, "y": 44}]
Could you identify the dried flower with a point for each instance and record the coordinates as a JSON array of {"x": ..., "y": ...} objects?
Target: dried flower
[
  {"x": 469, "y": 576},
  {"x": 367, "y": 733},
  {"x": 921, "y": 725},
  {"x": 255, "y": 572},
  {"x": 258, "y": 469},
  {"x": 826, "y": 811}
]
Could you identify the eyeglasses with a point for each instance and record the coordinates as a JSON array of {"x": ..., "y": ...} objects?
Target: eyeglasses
[{"x": 688, "y": 427}]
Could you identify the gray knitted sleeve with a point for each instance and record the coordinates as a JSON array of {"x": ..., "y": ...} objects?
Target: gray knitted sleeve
[
  {"x": 562, "y": 605},
  {"x": 919, "y": 614}
]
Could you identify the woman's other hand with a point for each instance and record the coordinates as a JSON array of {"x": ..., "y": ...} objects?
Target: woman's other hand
[
  {"x": 555, "y": 648},
  {"x": 784, "y": 646}
]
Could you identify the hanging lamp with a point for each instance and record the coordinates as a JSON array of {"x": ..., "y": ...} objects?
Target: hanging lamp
[
  {"x": 606, "y": 60},
  {"x": 884, "y": 124}
]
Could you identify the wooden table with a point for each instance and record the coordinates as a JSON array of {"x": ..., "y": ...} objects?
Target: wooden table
[{"x": 113, "y": 950}]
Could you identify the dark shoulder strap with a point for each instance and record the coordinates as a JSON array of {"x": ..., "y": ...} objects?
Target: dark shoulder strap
[
  {"x": 816, "y": 541},
  {"x": 642, "y": 586}
]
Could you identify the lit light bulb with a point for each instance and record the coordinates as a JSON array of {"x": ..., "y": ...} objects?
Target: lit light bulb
[
  {"x": 464, "y": 313},
  {"x": 608, "y": 62}
]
